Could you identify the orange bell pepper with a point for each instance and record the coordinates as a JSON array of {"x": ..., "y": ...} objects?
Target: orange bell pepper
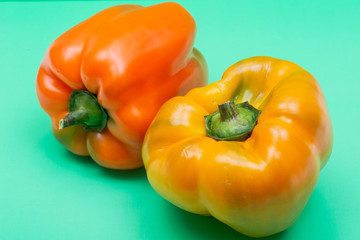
[
  {"x": 254, "y": 161},
  {"x": 103, "y": 81}
]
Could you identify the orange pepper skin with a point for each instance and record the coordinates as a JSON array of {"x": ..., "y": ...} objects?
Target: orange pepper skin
[
  {"x": 133, "y": 59},
  {"x": 259, "y": 186}
]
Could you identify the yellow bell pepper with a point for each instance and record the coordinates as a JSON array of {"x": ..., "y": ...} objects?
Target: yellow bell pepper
[{"x": 254, "y": 160}]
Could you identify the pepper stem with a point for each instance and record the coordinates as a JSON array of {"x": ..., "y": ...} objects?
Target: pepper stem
[
  {"x": 232, "y": 121},
  {"x": 84, "y": 109},
  {"x": 228, "y": 111},
  {"x": 73, "y": 118}
]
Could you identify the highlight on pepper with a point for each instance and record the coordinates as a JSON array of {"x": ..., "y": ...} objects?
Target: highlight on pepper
[
  {"x": 103, "y": 81},
  {"x": 254, "y": 160}
]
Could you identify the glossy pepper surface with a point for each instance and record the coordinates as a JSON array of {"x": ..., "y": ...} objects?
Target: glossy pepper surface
[
  {"x": 257, "y": 181},
  {"x": 103, "y": 81}
]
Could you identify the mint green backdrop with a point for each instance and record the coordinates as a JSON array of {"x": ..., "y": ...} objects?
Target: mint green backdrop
[{"x": 48, "y": 193}]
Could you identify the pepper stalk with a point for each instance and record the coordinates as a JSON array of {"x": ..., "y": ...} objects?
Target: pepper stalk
[
  {"x": 232, "y": 122},
  {"x": 85, "y": 110}
]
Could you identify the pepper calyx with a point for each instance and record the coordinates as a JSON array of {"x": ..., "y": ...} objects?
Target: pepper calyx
[
  {"x": 232, "y": 122},
  {"x": 85, "y": 110}
]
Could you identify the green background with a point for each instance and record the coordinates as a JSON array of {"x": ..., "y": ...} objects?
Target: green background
[{"x": 48, "y": 193}]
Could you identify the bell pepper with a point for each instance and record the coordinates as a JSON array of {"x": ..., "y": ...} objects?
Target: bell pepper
[
  {"x": 254, "y": 160},
  {"x": 103, "y": 81}
]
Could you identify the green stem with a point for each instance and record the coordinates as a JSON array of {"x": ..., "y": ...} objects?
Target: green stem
[
  {"x": 232, "y": 121},
  {"x": 85, "y": 110},
  {"x": 228, "y": 111},
  {"x": 73, "y": 118}
]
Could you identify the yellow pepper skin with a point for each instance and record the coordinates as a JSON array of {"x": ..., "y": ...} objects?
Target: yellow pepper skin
[{"x": 258, "y": 186}]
